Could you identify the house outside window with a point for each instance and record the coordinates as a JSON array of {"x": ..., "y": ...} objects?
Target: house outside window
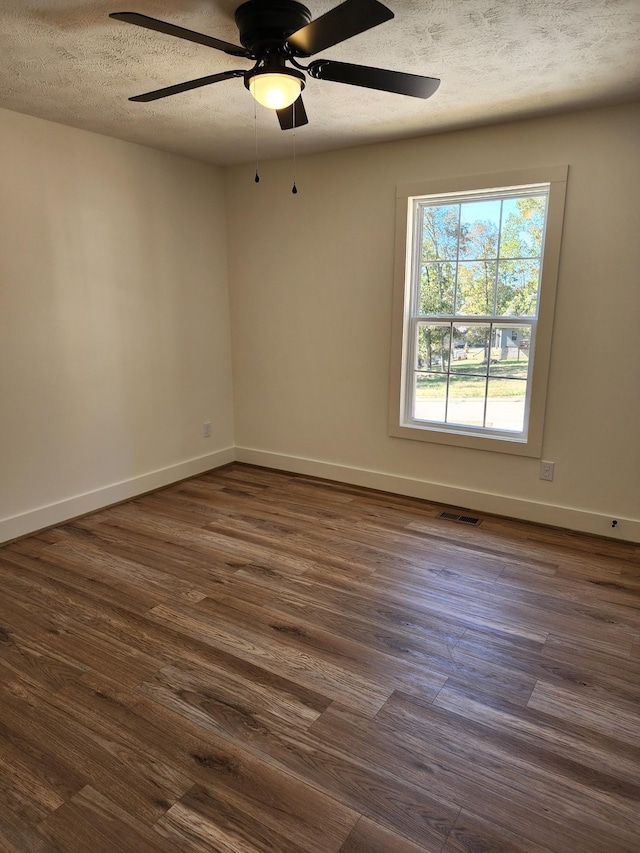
[{"x": 475, "y": 292}]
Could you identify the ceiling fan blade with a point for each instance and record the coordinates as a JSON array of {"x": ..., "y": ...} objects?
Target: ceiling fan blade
[
  {"x": 339, "y": 24},
  {"x": 184, "y": 87},
  {"x": 295, "y": 111},
  {"x": 179, "y": 32},
  {"x": 374, "y": 78}
]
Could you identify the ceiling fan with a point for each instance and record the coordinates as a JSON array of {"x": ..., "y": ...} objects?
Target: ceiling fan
[{"x": 274, "y": 35}]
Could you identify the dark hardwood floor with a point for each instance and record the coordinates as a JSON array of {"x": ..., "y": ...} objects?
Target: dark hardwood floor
[{"x": 256, "y": 661}]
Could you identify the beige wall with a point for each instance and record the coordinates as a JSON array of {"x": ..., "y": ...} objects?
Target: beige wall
[
  {"x": 311, "y": 282},
  {"x": 114, "y": 321},
  {"x": 115, "y": 338}
]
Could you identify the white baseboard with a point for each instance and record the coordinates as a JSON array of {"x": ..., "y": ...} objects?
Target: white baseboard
[
  {"x": 570, "y": 518},
  {"x": 584, "y": 521},
  {"x": 56, "y": 513}
]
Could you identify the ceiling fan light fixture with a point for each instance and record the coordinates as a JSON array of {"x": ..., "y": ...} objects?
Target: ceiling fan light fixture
[{"x": 276, "y": 89}]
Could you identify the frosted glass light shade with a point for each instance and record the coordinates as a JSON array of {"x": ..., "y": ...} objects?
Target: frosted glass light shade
[{"x": 275, "y": 90}]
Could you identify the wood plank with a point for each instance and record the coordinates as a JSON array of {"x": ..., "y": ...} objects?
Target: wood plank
[
  {"x": 252, "y": 660},
  {"x": 436, "y": 749},
  {"x": 616, "y": 720},
  {"x": 561, "y": 748},
  {"x": 363, "y": 786},
  {"x": 255, "y": 791},
  {"x": 472, "y": 834},
  {"x": 261, "y": 812},
  {"x": 311, "y": 672},
  {"x": 91, "y": 821},
  {"x": 369, "y": 837},
  {"x": 375, "y": 668},
  {"x": 91, "y": 747}
]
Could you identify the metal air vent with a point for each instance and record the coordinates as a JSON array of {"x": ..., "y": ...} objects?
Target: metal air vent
[{"x": 464, "y": 519}]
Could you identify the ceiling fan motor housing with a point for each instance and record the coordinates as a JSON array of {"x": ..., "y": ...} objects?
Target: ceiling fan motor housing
[{"x": 265, "y": 25}]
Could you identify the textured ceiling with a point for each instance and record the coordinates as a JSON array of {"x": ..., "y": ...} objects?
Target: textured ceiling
[{"x": 67, "y": 61}]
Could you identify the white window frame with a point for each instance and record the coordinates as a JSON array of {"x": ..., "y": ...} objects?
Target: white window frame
[{"x": 400, "y": 424}]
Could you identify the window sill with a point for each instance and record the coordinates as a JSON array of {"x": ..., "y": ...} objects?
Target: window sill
[{"x": 513, "y": 446}]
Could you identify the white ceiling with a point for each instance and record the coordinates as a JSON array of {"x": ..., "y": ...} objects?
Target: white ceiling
[{"x": 67, "y": 61}]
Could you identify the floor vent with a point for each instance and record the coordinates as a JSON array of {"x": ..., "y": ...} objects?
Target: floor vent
[{"x": 464, "y": 519}]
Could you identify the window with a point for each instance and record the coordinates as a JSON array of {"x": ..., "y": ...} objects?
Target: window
[{"x": 475, "y": 291}]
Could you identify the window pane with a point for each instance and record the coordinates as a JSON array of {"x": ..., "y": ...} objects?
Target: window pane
[
  {"x": 470, "y": 349},
  {"x": 479, "y": 229},
  {"x": 440, "y": 232},
  {"x": 522, "y": 227},
  {"x": 476, "y": 287},
  {"x": 432, "y": 349},
  {"x": 505, "y": 404},
  {"x": 518, "y": 285},
  {"x": 466, "y": 400},
  {"x": 510, "y": 352},
  {"x": 430, "y": 397},
  {"x": 437, "y": 281}
]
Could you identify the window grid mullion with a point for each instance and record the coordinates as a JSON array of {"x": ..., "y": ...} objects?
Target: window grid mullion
[
  {"x": 417, "y": 259},
  {"x": 457, "y": 261},
  {"x": 486, "y": 379},
  {"x": 446, "y": 399},
  {"x": 495, "y": 281},
  {"x": 412, "y": 377}
]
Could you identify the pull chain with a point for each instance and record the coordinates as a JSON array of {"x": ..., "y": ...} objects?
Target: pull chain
[
  {"x": 255, "y": 125},
  {"x": 294, "y": 188}
]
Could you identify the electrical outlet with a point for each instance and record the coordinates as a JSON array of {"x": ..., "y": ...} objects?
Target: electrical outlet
[
  {"x": 546, "y": 470},
  {"x": 206, "y": 429}
]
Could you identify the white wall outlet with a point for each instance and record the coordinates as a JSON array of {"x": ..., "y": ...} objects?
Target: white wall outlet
[
  {"x": 546, "y": 470},
  {"x": 206, "y": 429}
]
